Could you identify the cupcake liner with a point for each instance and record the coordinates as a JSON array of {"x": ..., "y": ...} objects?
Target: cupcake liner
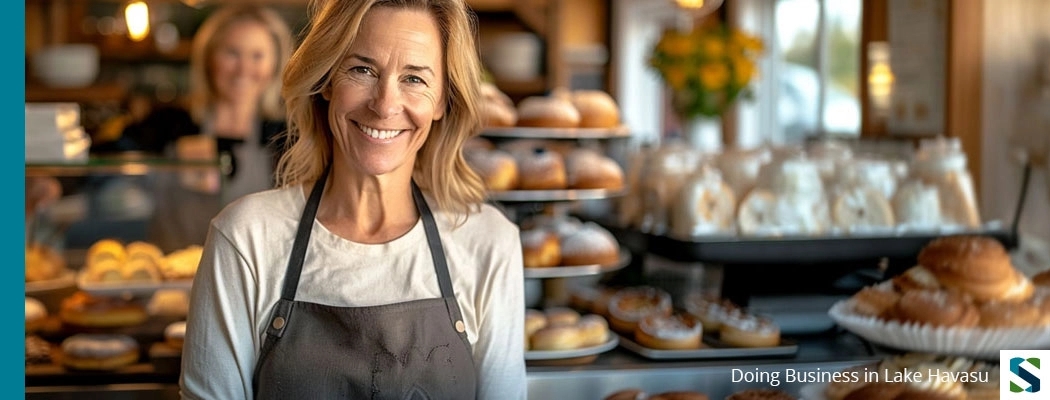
[{"x": 980, "y": 343}]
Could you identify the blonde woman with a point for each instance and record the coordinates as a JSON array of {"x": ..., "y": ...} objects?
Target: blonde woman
[{"x": 375, "y": 270}]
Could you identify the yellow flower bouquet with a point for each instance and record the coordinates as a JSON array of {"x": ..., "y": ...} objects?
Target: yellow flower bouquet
[{"x": 706, "y": 68}]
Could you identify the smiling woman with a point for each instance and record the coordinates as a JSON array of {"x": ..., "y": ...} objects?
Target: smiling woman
[{"x": 381, "y": 95}]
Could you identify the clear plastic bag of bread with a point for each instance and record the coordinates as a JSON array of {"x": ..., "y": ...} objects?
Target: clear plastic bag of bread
[{"x": 942, "y": 163}]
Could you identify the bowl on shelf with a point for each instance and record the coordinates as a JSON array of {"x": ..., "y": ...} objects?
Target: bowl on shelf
[{"x": 66, "y": 65}]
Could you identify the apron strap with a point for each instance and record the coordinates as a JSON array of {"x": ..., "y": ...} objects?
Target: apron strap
[
  {"x": 437, "y": 253},
  {"x": 302, "y": 238}
]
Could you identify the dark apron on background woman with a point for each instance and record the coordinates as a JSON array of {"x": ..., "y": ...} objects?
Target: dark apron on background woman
[{"x": 414, "y": 350}]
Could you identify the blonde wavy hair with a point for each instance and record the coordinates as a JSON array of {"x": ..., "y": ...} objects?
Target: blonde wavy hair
[
  {"x": 214, "y": 28},
  {"x": 440, "y": 168}
]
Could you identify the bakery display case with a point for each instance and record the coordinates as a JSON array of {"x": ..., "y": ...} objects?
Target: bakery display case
[{"x": 111, "y": 252}]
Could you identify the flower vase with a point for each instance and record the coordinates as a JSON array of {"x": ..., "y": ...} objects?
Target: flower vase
[{"x": 704, "y": 134}]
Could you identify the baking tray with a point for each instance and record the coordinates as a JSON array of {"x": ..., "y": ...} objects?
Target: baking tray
[
  {"x": 555, "y": 195},
  {"x": 714, "y": 350},
  {"x": 578, "y": 270},
  {"x": 610, "y": 343},
  {"x": 65, "y": 280},
  {"x": 804, "y": 250},
  {"x": 129, "y": 288},
  {"x": 556, "y": 133}
]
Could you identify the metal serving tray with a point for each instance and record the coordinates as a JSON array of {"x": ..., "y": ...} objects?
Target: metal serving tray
[
  {"x": 556, "y": 133},
  {"x": 578, "y": 270},
  {"x": 714, "y": 350}
]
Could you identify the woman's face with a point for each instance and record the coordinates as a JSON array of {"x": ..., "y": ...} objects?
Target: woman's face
[
  {"x": 387, "y": 91},
  {"x": 243, "y": 62}
]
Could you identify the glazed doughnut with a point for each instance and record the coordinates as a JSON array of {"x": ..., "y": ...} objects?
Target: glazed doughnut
[
  {"x": 760, "y": 394},
  {"x": 597, "y": 109},
  {"x": 935, "y": 308},
  {"x": 496, "y": 109},
  {"x": 590, "y": 244},
  {"x": 559, "y": 316},
  {"x": 594, "y": 330},
  {"x": 82, "y": 309},
  {"x": 175, "y": 334},
  {"x": 36, "y": 315},
  {"x": 669, "y": 332},
  {"x": 540, "y": 248},
  {"x": 38, "y": 351},
  {"x": 874, "y": 301},
  {"x": 709, "y": 310},
  {"x": 99, "y": 351},
  {"x": 628, "y": 306},
  {"x": 540, "y": 169},
  {"x": 547, "y": 112},
  {"x": 43, "y": 263},
  {"x": 862, "y": 207},
  {"x": 561, "y": 337},
  {"x": 705, "y": 204},
  {"x": 744, "y": 330},
  {"x": 587, "y": 169},
  {"x": 916, "y": 278},
  {"x": 1009, "y": 315},
  {"x": 106, "y": 249},
  {"x": 628, "y": 394},
  {"x": 680, "y": 396},
  {"x": 497, "y": 169}
]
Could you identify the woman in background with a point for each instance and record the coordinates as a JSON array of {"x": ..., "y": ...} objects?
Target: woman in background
[{"x": 234, "y": 110}]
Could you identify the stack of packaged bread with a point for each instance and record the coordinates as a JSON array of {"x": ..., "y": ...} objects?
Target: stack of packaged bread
[
  {"x": 566, "y": 241},
  {"x": 532, "y": 164},
  {"x": 563, "y": 108},
  {"x": 109, "y": 260},
  {"x": 822, "y": 189}
]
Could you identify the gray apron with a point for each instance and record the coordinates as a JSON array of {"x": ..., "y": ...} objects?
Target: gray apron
[{"x": 414, "y": 350}]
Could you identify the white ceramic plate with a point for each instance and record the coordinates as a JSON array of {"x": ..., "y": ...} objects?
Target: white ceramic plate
[
  {"x": 578, "y": 270},
  {"x": 129, "y": 288},
  {"x": 610, "y": 343},
  {"x": 67, "y": 279}
]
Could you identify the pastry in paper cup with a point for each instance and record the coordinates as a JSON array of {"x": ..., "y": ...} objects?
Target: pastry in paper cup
[{"x": 983, "y": 343}]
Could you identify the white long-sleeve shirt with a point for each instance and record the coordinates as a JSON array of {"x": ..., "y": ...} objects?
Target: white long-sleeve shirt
[{"x": 243, "y": 267}]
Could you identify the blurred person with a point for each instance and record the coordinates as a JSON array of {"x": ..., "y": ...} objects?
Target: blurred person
[
  {"x": 235, "y": 115},
  {"x": 375, "y": 269}
]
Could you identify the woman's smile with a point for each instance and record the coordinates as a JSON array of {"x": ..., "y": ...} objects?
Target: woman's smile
[{"x": 379, "y": 134}]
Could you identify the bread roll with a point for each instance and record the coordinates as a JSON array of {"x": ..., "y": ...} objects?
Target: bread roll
[
  {"x": 547, "y": 112},
  {"x": 597, "y": 109}
]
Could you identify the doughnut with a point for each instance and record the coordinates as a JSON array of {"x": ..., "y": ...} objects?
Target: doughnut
[
  {"x": 862, "y": 207},
  {"x": 497, "y": 169},
  {"x": 175, "y": 334},
  {"x": 104, "y": 352},
  {"x": 560, "y": 316},
  {"x": 582, "y": 297},
  {"x": 82, "y": 309},
  {"x": 589, "y": 245},
  {"x": 36, "y": 315},
  {"x": 669, "y": 332},
  {"x": 106, "y": 270},
  {"x": 43, "y": 263},
  {"x": 534, "y": 321},
  {"x": 744, "y": 330},
  {"x": 917, "y": 277},
  {"x": 1009, "y": 315},
  {"x": 561, "y": 337},
  {"x": 597, "y": 109},
  {"x": 560, "y": 226},
  {"x": 705, "y": 204},
  {"x": 628, "y": 394},
  {"x": 540, "y": 169},
  {"x": 587, "y": 169},
  {"x": 594, "y": 330},
  {"x": 497, "y": 108},
  {"x": 38, "y": 351},
  {"x": 917, "y": 205},
  {"x": 600, "y": 305},
  {"x": 935, "y": 308},
  {"x": 680, "y": 396},
  {"x": 143, "y": 249},
  {"x": 874, "y": 301},
  {"x": 547, "y": 112},
  {"x": 540, "y": 248},
  {"x": 140, "y": 269},
  {"x": 711, "y": 311},
  {"x": 628, "y": 306},
  {"x": 106, "y": 249},
  {"x": 760, "y": 394}
]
